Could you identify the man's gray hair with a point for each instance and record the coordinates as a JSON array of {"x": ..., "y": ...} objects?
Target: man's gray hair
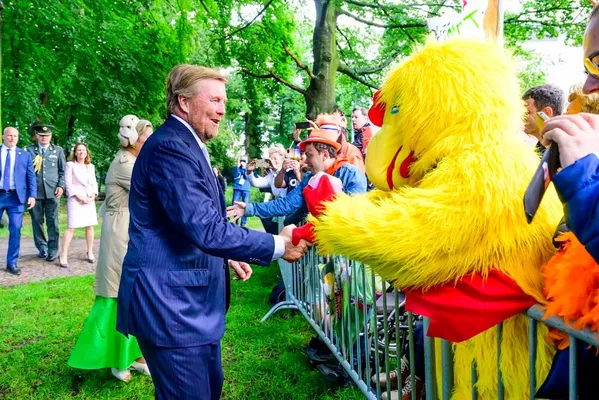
[{"x": 184, "y": 80}]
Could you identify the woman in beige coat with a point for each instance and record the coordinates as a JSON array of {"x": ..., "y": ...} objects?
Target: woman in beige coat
[{"x": 100, "y": 345}]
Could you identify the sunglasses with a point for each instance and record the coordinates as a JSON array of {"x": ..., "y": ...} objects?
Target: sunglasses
[{"x": 591, "y": 65}]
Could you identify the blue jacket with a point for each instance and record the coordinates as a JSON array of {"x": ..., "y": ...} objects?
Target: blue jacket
[
  {"x": 354, "y": 181},
  {"x": 25, "y": 181},
  {"x": 238, "y": 174},
  {"x": 174, "y": 286},
  {"x": 578, "y": 188}
]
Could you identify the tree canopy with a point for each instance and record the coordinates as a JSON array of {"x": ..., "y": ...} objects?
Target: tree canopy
[{"x": 82, "y": 65}]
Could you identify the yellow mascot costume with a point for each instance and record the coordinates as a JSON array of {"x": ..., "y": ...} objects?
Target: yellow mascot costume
[{"x": 447, "y": 223}]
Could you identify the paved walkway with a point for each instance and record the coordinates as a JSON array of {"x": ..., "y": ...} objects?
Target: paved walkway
[{"x": 36, "y": 269}]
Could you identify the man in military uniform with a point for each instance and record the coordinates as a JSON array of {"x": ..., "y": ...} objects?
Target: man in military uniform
[{"x": 49, "y": 163}]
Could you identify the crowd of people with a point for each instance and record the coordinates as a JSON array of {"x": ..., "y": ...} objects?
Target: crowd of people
[{"x": 167, "y": 246}]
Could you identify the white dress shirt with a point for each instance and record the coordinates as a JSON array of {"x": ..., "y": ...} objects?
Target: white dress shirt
[
  {"x": 13, "y": 158},
  {"x": 279, "y": 241}
]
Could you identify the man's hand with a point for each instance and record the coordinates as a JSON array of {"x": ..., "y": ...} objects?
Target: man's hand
[
  {"x": 30, "y": 203},
  {"x": 291, "y": 164},
  {"x": 236, "y": 211},
  {"x": 251, "y": 166},
  {"x": 296, "y": 135},
  {"x": 287, "y": 231},
  {"x": 294, "y": 253},
  {"x": 576, "y": 136},
  {"x": 58, "y": 192},
  {"x": 242, "y": 270}
]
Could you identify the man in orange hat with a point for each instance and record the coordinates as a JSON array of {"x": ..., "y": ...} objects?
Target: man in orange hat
[{"x": 320, "y": 149}]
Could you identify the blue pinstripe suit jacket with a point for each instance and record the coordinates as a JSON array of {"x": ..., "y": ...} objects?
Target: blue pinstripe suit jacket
[{"x": 174, "y": 287}]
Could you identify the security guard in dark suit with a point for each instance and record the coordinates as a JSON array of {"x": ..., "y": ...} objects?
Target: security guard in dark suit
[{"x": 49, "y": 163}]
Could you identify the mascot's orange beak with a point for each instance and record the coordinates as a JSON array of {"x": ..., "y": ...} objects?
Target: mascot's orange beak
[{"x": 387, "y": 168}]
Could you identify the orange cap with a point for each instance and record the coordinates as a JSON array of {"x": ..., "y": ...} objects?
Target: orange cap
[{"x": 326, "y": 136}]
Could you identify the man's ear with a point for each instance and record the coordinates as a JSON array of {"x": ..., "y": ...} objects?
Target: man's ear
[
  {"x": 549, "y": 111},
  {"x": 183, "y": 104}
]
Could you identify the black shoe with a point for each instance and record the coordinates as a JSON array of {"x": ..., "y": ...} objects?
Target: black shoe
[
  {"x": 51, "y": 257},
  {"x": 13, "y": 269},
  {"x": 42, "y": 254}
]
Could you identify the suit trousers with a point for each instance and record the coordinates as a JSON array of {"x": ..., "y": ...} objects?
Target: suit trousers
[
  {"x": 185, "y": 373},
  {"x": 47, "y": 208},
  {"x": 15, "y": 210}
]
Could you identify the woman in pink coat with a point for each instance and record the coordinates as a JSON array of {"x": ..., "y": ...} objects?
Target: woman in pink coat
[{"x": 82, "y": 189}]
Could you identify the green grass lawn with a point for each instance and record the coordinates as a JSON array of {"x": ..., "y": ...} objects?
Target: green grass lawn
[
  {"x": 40, "y": 323},
  {"x": 27, "y": 231}
]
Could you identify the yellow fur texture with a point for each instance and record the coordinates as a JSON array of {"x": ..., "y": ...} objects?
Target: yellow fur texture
[{"x": 456, "y": 105}]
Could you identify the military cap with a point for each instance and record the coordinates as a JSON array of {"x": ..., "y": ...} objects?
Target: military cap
[{"x": 43, "y": 130}]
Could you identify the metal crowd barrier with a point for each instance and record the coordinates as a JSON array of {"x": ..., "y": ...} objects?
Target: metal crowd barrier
[{"x": 363, "y": 322}]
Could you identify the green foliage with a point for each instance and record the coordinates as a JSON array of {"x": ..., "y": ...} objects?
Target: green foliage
[
  {"x": 82, "y": 65},
  {"x": 66, "y": 63},
  {"x": 41, "y": 321}
]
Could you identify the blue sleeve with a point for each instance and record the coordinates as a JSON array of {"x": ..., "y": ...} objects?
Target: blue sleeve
[
  {"x": 578, "y": 188},
  {"x": 31, "y": 180},
  {"x": 280, "y": 207},
  {"x": 354, "y": 181}
]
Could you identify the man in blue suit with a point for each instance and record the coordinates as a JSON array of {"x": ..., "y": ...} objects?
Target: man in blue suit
[
  {"x": 17, "y": 186},
  {"x": 174, "y": 288}
]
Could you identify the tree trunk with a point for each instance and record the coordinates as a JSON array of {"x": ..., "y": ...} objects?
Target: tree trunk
[
  {"x": 320, "y": 96},
  {"x": 247, "y": 136},
  {"x": 71, "y": 124}
]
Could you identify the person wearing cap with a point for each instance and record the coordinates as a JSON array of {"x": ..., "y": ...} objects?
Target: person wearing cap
[
  {"x": 49, "y": 163},
  {"x": 17, "y": 187},
  {"x": 320, "y": 149},
  {"x": 241, "y": 185}
]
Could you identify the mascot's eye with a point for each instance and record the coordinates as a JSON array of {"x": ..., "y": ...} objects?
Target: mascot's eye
[{"x": 395, "y": 110}]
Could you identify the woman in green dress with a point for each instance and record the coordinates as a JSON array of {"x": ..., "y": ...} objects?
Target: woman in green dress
[{"x": 100, "y": 345}]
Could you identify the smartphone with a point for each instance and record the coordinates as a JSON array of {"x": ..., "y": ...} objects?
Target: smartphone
[
  {"x": 262, "y": 164},
  {"x": 541, "y": 118},
  {"x": 543, "y": 175},
  {"x": 302, "y": 125}
]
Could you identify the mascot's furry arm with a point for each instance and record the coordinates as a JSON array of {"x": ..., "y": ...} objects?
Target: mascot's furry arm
[{"x": 441, "y": 230}]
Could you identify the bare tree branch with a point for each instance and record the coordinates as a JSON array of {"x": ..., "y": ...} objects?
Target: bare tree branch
[
  {"x": 379, "y": 25},
  {"x": 516, "y": 18},
  {"x": 380, "y": 67},
  {"x": 345, "y": 37},
  {"x": 344, "y": 69},
  {"x": 407, "y": 33},
  {"x": 298, "y": 62},
  {"x": 392, "y": 6},
  {"x": 272, "y": 75},
  {"x": 204, "y": 7},
  {"x": 251, "y": 22}
]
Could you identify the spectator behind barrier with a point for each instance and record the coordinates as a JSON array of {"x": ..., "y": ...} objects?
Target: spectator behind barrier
[
  {"x": 579, "y": 102},
  {"x": 362, "y": 129},
  {"x": 321, "y": 149},
  {"x": 546, "y": 98},
  {"x": 577, "y": 137}
]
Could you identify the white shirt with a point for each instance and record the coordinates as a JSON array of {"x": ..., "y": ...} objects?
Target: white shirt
[
  {"x": 13, "y": 157},
  {"x": 279, "y": 241},
  {"x": 268, "y": 181}
]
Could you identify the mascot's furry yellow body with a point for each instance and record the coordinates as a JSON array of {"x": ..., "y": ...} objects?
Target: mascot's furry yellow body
[{"x": 453, "y": 114}]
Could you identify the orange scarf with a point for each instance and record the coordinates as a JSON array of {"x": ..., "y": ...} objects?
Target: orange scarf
[
  {"x": 339, "y": 161},
  {"x": 572, "y": 287}
]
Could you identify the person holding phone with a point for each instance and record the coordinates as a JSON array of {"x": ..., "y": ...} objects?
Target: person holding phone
[
  {"x": 577, "y": 137},
  {"x": 544, "y": 98},
  {"x": 241, "y": 185}
]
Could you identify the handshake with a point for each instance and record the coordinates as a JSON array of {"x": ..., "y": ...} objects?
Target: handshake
[{"x": 292, "y": 252}]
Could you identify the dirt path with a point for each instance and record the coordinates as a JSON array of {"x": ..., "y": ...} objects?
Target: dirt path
[{"x": 36, "y": 269}]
